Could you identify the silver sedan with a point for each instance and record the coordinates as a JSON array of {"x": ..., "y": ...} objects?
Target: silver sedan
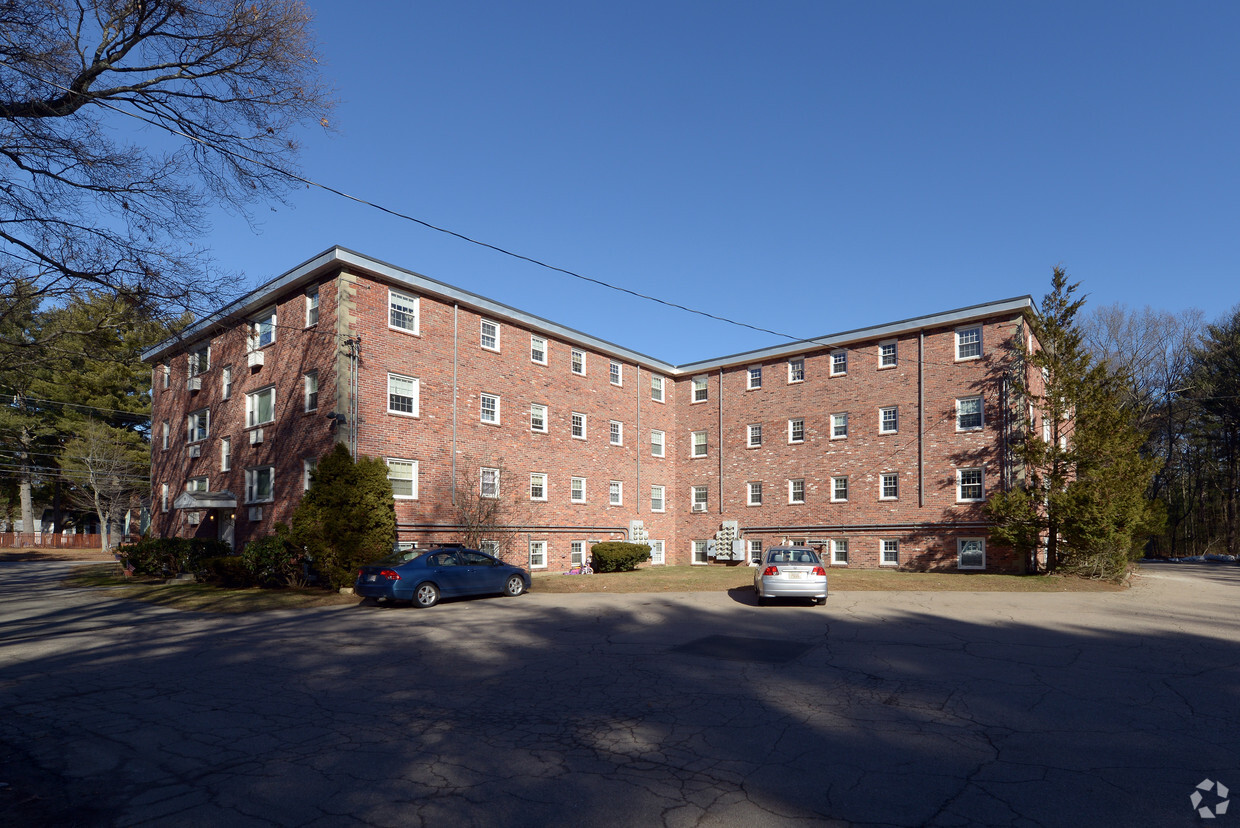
[{"x": 790, "y": 572}]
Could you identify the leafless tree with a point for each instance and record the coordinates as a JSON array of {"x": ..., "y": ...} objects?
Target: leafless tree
[
  {"x": 225, "y": 84},
  {"x": 489, "y": 504},
  {"x": 107, "y": 467}
]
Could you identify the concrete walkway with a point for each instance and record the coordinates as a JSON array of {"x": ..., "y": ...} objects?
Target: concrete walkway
[{"x": 908, "y": 709}]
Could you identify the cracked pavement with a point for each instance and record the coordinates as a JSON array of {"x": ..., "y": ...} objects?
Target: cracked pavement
[{"x": 899, "y": 708}]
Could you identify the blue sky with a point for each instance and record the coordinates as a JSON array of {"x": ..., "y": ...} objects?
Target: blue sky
[{"x": 808, "y": 167}]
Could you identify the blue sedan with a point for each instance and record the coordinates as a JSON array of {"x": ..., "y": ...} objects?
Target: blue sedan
[{"x": 423, "y": 577}]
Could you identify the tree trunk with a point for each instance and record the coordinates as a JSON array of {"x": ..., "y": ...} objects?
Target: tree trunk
[{"x": 27, "y": 508}]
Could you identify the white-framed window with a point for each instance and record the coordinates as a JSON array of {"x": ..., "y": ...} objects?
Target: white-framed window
[
  {"x": 839, "y": 363},
  {"x": 615, "y": 493},
  {"x": 226, "y": 382},
  {"x": 260, "y": 406},
  {"x": 579, "y": 361},
  {"x": 658, "y": 552},
  {"x": 888, "y": 486},
  {"x": 969, "y": 342},
  {"x": 1046, "y": 430},
  {"x": 263, "y": 329},
  {"x": 656, "y": 388},
  {"x": 167, "y": 431},
  {"x": 796, "y": 430},
  {"x": 969, "y": 413},
  {"x": 538, "y": 486},
  {"x": 404, "y": 477},
  {"x": 658, "y": 502},
  {"x": 308, "y": 465},
  {"x": 889, "y": 553},
  {"x": 200, "y": 360},
  {"x": 754, "y": 494},
  {"x": 839, "y": 489},
  {"x": 839, "y": 426},
  {"x": 197, "y": 484},
  {"x": 796, "y": 491},
  {"x": 699, "y": 444},
  {"x": 887, "y": 357},
  {"x": 488, "y": 482},
  {"x": 699, "y": 495},
  {"x": 970, "y": 553},
  {"x": 796, "y": 369},
  {"x": 538, "y": 350},
  {"x": 888, "y": 419},
  {"x": 755, "y": 377},
  {"x": 488, "y": 546},
  {"x": 538, "y": 417},
  {"x": 577, "y": 490},
  {"x": 755, "y": 551},
  {"x": 167, "y": 372},
  {"x": 163, "y": 497},
  {"x": 700, "y": 390},
  {"x": 657, "y": 444},
  {"x": 577, "y": 553},
  {"x": 310, "y": 383},
  {"x": 312, "y": 307},
  {"x": 402, "y": 395},
  {"x": 701, "y": 553},
  {"x": 616, "y": 373},
  {"x": 970, "y": 485},
  {"x": 199, "y": 425},
  {"x": 616, "y": 432},
  {"x": 753, "y": 435},
  {"x": 579, "y": 426},
  {"x": 490, "y": 408},
  {"x": 839, "y": 552},
  {"x": 225, "y": 454},
  {"x": 538, "y": 554},
  {"x": 403, "y": 311},
  {"x": 260, "y": 484},
  {"x": 488, "y": 335}
]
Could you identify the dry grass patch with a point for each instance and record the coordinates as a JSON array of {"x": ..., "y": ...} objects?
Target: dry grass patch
[
  {"x": 200, "y": 597},
  {"x": 722, "y": 578}
]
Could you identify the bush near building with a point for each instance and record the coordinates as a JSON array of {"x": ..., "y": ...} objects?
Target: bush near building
[{"x": 617, "y": 556}]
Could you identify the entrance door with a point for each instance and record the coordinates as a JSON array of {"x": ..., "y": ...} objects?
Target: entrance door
[{"x": 227, "y": 527}]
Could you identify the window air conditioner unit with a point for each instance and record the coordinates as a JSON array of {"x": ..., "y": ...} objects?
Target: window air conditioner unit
[
  {"x": 194, "y": 384},
  {"x": 256, "y": 436},
  {"x": 255, "y": 358},
  {"x": 195, "y": 451},
  {"x": 193, "y": 518},
  {"x": 256, "y": 513},
  {"x": 699, "y": 507}
]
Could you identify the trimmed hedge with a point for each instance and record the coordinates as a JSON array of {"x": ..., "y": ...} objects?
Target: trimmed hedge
[
  {"x": 229, "y": 571},
  {"x": 272, "y": 561},
  {"x": 168, "y": 557},
  {"x": 617, "y": 556}
]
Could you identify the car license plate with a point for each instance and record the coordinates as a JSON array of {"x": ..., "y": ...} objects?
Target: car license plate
[
  {"x": 796, "y": 575},
  {"x": 370, "y": 577}
]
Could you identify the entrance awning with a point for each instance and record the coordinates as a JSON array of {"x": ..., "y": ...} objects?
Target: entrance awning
[{"x": 205, "y": 500}]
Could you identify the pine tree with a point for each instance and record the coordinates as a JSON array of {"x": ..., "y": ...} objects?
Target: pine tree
[{"x": 348, "y": 516}]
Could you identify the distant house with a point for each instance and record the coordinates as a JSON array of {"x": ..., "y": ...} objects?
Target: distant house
[{"x": 878, "y": 445}]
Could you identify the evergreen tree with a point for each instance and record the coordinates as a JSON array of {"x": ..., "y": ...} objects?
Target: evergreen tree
[
  {"x": 1085, "y": 480},
  {"x": 1214, "y": 389},
  {"x": 348, "y": 516}
]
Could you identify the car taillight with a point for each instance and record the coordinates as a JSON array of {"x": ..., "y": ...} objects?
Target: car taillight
[
  {"x": 818, "y": 570},
  {"x": 390, "y": 574},
  {"x": 771, "y": 570}
]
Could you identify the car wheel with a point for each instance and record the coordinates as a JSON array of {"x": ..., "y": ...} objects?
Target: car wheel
[
  {"x": 514, "y": 587},
  {"x": 426, "y": 595}
]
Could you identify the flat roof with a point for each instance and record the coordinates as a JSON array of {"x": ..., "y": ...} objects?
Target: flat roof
[{"x": 336, "y": 258}]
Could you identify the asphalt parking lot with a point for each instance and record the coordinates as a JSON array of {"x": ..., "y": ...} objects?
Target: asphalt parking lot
[{"x": 906, "y": 709}]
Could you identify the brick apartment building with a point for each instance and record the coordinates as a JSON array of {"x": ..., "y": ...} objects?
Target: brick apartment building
[{"x": 878, "y": 445}]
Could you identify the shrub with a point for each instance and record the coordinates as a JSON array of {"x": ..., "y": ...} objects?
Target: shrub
[
  {"x": 617, "y": 556},
  {"x": 167, "y": 557},
  {"x": 228, "y": 571},
  {"x": 272, "y": 561}
]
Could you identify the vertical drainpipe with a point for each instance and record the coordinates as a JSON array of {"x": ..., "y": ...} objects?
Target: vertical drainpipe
[
  {"x": 456, "y": 312},
  {"x": 921, "y": 418},
  {"x": 637, "y": 381},
  {"x": 720, "y": 438}
]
